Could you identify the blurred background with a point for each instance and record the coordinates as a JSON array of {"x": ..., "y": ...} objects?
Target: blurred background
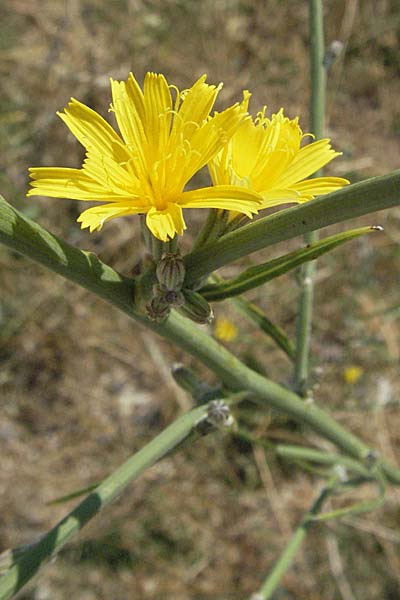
[{"x": 81, "y": 387}]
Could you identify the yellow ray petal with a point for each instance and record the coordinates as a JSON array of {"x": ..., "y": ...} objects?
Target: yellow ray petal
[
  {"x": 129, "y": 113},
  {"x": 195, "y": 107},
  {"x": 74, "y": 184},
  {"x": 308, "y": 160},
  {"x": 95, "y": 217},
  {"x": 320, "y": 185},
  {"x": 269, "y": 173},
  {"x": 246, "y": 145},
  {"x": 158, "y": 107},
  {"x": 164, "y": 224},
  {"x": 92, "y": 131},
  {"x": 136, "y": 96},
  {"x": 219, "y": 169},
  {"x": 227, "y": 197},
  {"x": 209, "y": 139},
  {"x": 277, "y": 197},
  {"x": 111, "y": 175}
]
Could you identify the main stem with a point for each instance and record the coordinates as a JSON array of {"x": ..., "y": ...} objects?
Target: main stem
[{"x": 317, "y": 120}]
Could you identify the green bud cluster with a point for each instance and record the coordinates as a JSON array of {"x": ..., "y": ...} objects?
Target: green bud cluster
[
  {"x": 168, "y": 293},
  {"x": 170, "y": 273}
]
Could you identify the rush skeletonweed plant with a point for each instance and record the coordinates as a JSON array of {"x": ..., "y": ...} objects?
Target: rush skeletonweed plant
[{"x": 165, "y": 137}]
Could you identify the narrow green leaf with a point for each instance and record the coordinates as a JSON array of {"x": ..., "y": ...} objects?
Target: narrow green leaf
[
  {"x": 260, "y": 274},
  {"x": 256, "y": 315}
]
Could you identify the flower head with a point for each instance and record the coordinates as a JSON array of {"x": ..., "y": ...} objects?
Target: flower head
[
  {"x": 352, "y": 374},
  {"x": 163, "y": 143},
  {"x": 265, "y": 155},
  {"x": 225, "y": 330}
]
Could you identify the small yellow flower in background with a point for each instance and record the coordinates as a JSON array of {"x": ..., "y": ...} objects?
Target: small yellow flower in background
[
  {"x": 163, "y": 143},
  {"x": 352, "y": 374},
  {"x": 225, "y": 330},
  {"x": 265, "y": 155}
]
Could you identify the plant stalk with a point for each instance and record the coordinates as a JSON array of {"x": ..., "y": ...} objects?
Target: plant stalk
[
  {"x": 296, "y": 453},
  {"x": 207, "y": 228},
  {"x": 256, "y": 316},
  {"x": 287, "y": 556},
  {"x": 317, "y": 121}
]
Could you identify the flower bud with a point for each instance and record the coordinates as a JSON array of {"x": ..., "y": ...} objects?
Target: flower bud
[
  {"x": 196, "y": 308},
  {"x": 171, "y": 272},
  {"x": 158, "y": 309}
]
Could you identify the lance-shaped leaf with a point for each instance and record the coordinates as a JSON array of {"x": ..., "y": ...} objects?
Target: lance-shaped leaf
[{"x": 256, "y": 276}]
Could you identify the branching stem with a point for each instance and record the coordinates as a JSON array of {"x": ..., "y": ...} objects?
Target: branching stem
[{"x": 27, "y": 237}]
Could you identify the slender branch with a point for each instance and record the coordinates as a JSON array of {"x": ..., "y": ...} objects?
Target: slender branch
[
  {"x": 317, "y": 68},
  {"x": 256, "y": 315},
  {"x": 207, "y": 228},
  {"x": 350, "y": 202},
  {"x": 27, "y": 237},
  {"x": 287, "y": 556},
  {"x": 293, "y": 452},
  {"x": 29, "y": 562},
  {"x": 317, "y": 120}
]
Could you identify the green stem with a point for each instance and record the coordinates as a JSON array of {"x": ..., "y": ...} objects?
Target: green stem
[
  {"x": 292, "y": 452},
  {"x": 287, "y": 556},
  {"x": 173, "y": 245},
  {"x": 256, "y": 315},
  {"x": 317, "y": 120},
  {"x": 27, "y": 237},
  {"x": 157, "y": 248},
  {"x": 317, "y": 69},
  {"x": 31, "y": 560},
  {"x": 207, "y": 229},
  {"x": 236, "y": 376},
  {"x": 349, "y": 202}
]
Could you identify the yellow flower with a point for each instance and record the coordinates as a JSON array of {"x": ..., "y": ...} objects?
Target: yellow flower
[
  {"x": 225, "y": 330},
  {"x": 163, "y": 143},
  {"x": 352, "y": 374},
  {"x": 265, "y": 155}
]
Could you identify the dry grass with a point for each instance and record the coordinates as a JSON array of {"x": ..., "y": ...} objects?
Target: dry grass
[{"x": 81, "y": 388}]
